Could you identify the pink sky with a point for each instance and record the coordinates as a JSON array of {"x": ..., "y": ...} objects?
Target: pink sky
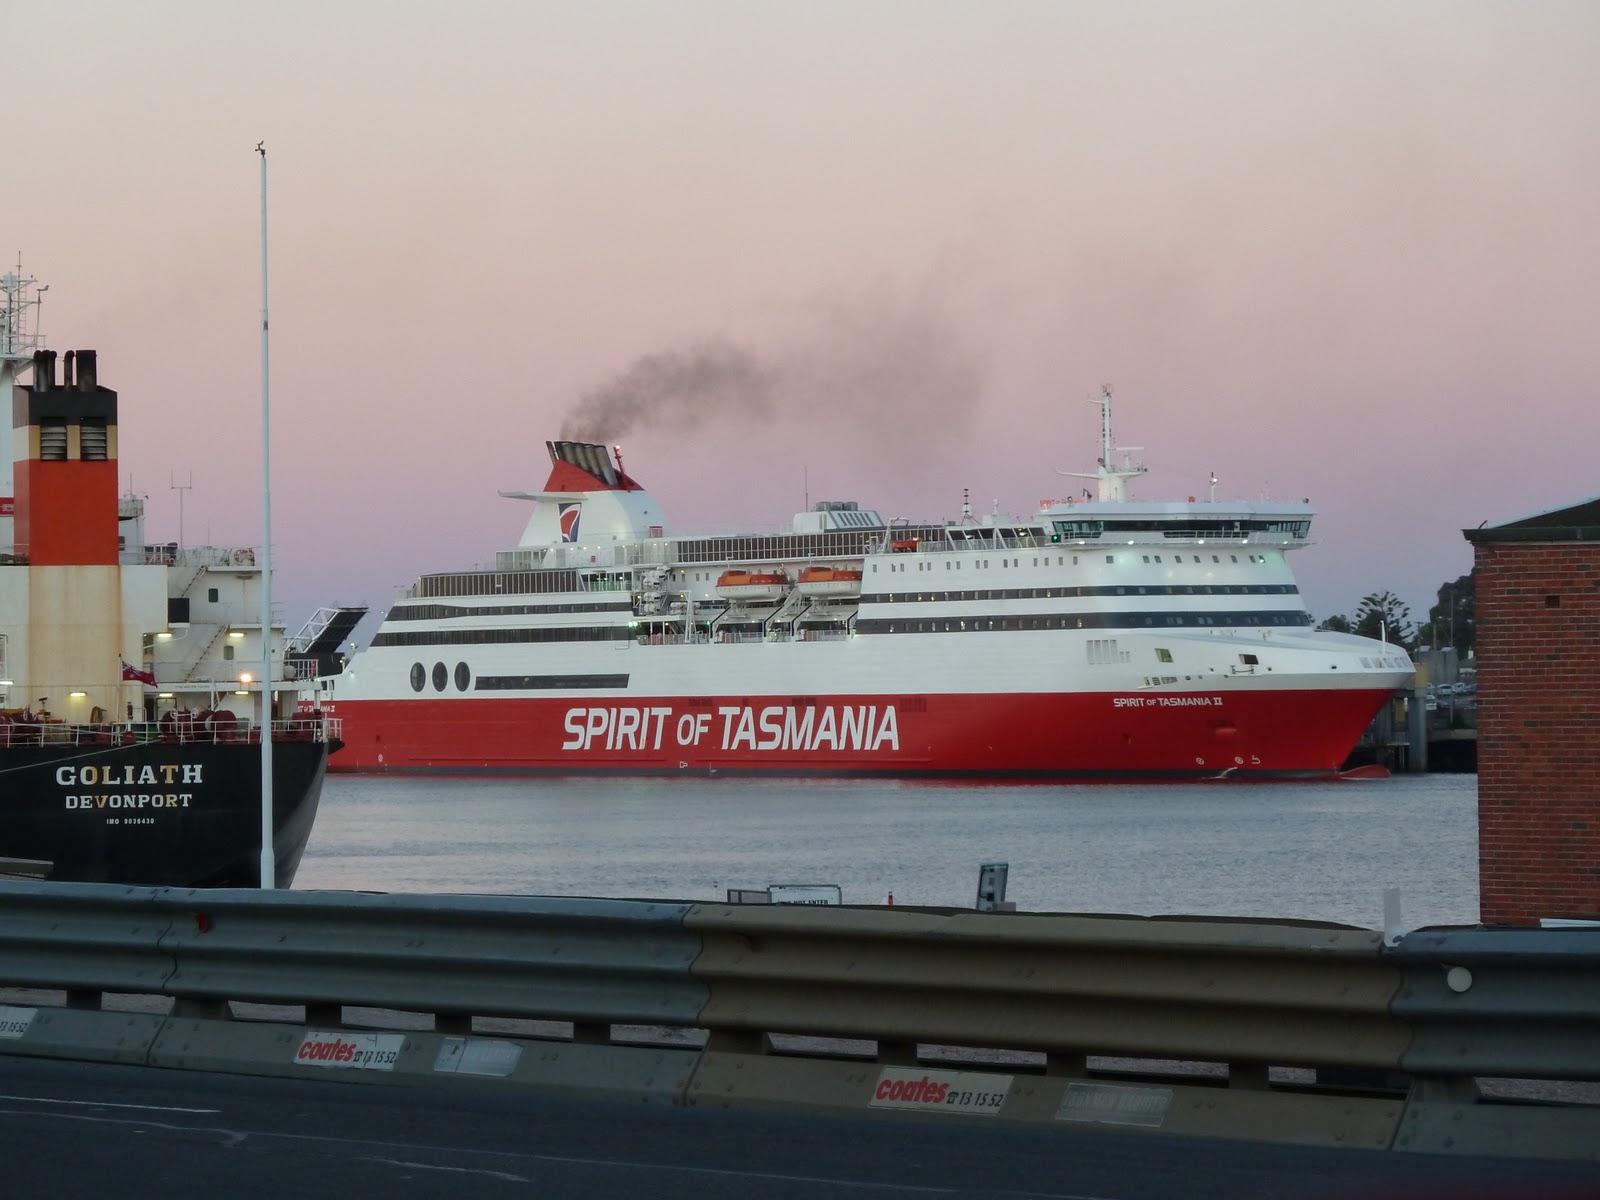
[{"x": 1347, "y": 252}]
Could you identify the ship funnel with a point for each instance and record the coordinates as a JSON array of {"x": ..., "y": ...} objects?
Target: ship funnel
[
  {"x": 87, "y": 373},
  {"x": 66, "y": 369},
  {"x": 44, "y": 370}
]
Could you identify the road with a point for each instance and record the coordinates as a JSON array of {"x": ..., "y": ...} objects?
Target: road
[{"x": 77, "y": 1130}]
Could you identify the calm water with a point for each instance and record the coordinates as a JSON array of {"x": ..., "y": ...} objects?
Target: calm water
[{"x": 1324, "y": 851}]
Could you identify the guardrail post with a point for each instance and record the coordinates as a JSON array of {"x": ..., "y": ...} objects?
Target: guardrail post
[
  {"x": 325, "y": 1014},
  {"x": 897, "y": 1054},
  {"x": 1070, "y": 1066},
  {"x": 738, "y": 1041},
  {"x": 202, "y": 1010},
  {"x": 1248, "y": 1075}
]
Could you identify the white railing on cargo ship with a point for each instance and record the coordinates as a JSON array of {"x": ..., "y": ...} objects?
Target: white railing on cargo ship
[{"x": 307, "y": 727}]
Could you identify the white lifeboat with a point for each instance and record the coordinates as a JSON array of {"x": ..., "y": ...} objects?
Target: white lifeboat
[
  {"x": 830, "y": 583},
  {"x": 752, "y": 587}
]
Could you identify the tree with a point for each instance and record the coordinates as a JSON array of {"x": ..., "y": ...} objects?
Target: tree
[
  {"x": 1383, "y": 616},
  {"x": 1452, "y": 621},
  {"x": 1337, "y": 624}
]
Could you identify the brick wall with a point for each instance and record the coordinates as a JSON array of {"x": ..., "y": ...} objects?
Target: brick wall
[{"x": 1538, "y": 653}]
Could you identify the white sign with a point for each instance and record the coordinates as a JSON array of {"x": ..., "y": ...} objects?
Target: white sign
[
  {"x": 1115, "y": 1104},
  {"x": 363, "y": 1051},
  {"x": 14, "y": 1022},
  {"x": 477, "y": 1056},
  {"x": 940, "y": 1091},
  {"x": 805, "y": 893}
]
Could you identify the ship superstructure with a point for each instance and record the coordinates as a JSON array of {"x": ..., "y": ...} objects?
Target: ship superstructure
[{"x": 1100, "y": 636}]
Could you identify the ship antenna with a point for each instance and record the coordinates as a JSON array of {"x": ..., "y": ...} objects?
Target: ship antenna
[
  {"x": 1112, "y": 476},
  {"x": 269, "y": 861}
]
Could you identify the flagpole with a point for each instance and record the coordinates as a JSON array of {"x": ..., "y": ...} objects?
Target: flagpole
[{"x": 269, "y": 862}]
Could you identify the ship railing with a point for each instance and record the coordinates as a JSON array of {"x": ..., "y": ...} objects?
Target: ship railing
[{"x": 307, "y": 727}]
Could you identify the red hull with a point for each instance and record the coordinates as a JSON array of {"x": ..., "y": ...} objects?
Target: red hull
[{"x": 1076, "y": 734}]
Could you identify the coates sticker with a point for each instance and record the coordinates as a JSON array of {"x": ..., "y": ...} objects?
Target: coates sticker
[
  {"x": 940, "y": 1091},
  {"x": 368, "y": 1051},
  {"x": 14, "y": 1022},
  {"x": 567, "y": 514}
]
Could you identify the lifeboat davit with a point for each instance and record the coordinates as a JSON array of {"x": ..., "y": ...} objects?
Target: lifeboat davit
[
  {"x": 753, "y": 587},
  {"x": 830, "y": 583}
]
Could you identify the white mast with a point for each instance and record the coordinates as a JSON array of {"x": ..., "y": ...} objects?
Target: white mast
[
  {"x": 269, "y": 860},
  {"x": 21, "y": 302},
  {"x": 1112, "y": 477}
]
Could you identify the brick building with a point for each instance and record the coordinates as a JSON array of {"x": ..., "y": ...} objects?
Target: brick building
[{"x": 1538, "y": 652}]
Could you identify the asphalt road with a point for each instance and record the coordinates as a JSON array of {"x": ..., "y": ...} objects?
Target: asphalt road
[{"x": 71, "y": 1130}]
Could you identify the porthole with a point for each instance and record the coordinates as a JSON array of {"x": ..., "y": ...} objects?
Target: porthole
[
  {"x": 440, "y": 677},
  {"x": 419, "y": 677},
  {"x": 463, "y": 677}
]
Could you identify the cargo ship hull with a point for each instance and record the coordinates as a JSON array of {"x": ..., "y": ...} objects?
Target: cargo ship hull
[{"x": 157, "y": 813}]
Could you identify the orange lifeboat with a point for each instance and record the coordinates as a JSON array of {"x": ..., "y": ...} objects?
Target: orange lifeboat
[
  {"x": 830, "y": 583},
  {"x": 752, "y": 587}
]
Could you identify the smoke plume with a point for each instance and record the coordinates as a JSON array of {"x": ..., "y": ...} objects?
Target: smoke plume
[{"x": 889, "y": 366}]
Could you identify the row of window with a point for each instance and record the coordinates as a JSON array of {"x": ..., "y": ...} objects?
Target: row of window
[
  {"x": 1166, "y": 527},
  {"x": 1051, "y": 593},
  {"x": 982, "y": 564},
  {"x": 1092, "y": 620},
  {"x": 445, "y": 612},
  {"x": 487, "y": 583},
  {"x": 483, "y": 637},
  {"x": 796, "y": 546},
  {"x": 441, "y": 677}
]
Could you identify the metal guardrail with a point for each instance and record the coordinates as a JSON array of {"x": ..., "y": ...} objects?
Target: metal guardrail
[
  {"x": 1237, "y": 992},
  {"x": 1512, "y": 1002},
  {"x": 1395, "y": 1034}
]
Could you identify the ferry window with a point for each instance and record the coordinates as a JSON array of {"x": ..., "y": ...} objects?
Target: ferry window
[
  {"x": 1197, "y": 558},
  {"x": 419, "y": 676},
  {"x": 1249, "y": 660},
  {"x": 1110, "y": 558},
  {"x": 463, "y": 677},
  {"x": 211, "y": 595},
  {"x": 1234, "y": 557},
  {"x": 1215, "y": 559},
  {"x": 1147, "y": 558},
  {"x": 1158, "y": 558},
  {"x": 227, "y": 651},
  {"x": 1163, "y": 655},
  {"x": 440, "y": 677}
]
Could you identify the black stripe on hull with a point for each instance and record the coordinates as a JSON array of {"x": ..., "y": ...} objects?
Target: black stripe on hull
[{"x": 158, "y": 814}]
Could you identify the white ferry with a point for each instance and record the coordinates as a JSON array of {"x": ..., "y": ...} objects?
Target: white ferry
[{"x": 1099, "y": 637}]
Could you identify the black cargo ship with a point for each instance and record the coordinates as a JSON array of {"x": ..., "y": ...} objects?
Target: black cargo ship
[{"x": 132, "y": 693}]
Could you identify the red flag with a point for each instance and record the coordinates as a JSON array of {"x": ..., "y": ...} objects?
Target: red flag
[{"x": 131, "y": 672}]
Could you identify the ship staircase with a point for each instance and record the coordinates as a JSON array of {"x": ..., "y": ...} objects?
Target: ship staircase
[
  {"x": 786, "y": 613},
  {"x": 192, "y": 662},
  {"x": 195, "y": 570},
  {"x": 315, "y": 649}
]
